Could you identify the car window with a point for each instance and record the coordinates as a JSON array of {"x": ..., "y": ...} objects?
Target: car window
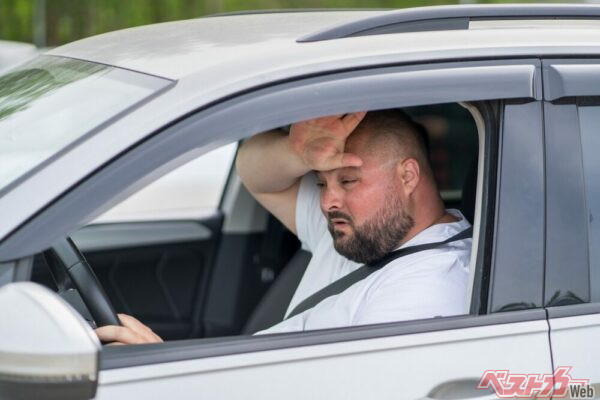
[
  {"x": 164, "y": 263},
  {"x": 452, "y": 145},
  {"x": 589, "y": 121},
  {"x": 192, "y": 191},
  {"x": 40, "y": 98}
]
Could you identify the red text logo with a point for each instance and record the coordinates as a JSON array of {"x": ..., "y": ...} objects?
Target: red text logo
[{"x": 540, "y": 386}]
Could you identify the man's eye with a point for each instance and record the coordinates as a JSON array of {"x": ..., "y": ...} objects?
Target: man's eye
[
  {"x": 348, "y": 181},
  {"x": 320, "y": 184}
]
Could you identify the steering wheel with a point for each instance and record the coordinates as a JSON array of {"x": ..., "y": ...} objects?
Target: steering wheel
[{"x": 72, "y": 264}]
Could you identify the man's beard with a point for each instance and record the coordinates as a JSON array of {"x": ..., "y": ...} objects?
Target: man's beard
[{"x": 375, "y": 238}]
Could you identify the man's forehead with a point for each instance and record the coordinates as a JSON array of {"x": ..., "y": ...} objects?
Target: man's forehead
[
  {"x": 369, "y": 146},
  {"x": 359, "y": 138}
]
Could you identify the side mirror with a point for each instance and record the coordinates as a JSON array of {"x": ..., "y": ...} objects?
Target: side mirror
[{"x": 47, "y": 350}]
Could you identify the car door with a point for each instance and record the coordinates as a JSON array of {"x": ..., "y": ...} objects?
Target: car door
[
  {"x": 572, "y": 294},
  {"x": 447, "y": 357}
]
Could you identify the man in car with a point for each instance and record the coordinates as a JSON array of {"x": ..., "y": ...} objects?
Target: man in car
[{"x": 354, "y": 188}]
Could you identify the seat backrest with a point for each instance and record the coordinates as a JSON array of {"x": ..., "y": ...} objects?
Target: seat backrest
[
  {"x": 469, "y": 190},
  {"x": 272, "y": 307}
]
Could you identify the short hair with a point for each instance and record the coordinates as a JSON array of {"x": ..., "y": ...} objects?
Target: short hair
[{"x": 410, "y": 136}]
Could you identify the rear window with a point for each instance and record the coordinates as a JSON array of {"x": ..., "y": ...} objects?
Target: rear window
[{"x": 51, "y": 102}]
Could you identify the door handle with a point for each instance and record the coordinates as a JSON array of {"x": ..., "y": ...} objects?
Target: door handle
[{"x": 460, "y": 389}]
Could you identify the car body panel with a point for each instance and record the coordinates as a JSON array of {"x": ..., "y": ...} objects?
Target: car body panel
[
  {"x": 298, "y": 372},
  {"x": 570, "y": 327}
]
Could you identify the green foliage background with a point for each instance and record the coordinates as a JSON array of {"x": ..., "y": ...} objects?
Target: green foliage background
[{"x": 62, "y": 21}]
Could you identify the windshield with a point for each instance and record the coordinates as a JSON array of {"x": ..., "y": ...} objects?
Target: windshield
[{"x": 51, "y": 102}]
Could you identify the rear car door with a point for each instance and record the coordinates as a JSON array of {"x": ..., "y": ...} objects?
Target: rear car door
[
  {"x": 507, "y": 328},
  {"x": 572, "y": 294}
]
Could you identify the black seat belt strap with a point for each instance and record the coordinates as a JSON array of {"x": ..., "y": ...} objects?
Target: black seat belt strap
[{"x": 361, "y": 273}]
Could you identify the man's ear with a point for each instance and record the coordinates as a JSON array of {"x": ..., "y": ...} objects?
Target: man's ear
[{"x": 410, "y": 174}]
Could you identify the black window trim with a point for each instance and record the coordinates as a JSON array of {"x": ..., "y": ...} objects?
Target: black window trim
[
  {"x": 566, "y": 219},
  {"x": 567, "y": 84},
  {"x": 516, "y": 280}
]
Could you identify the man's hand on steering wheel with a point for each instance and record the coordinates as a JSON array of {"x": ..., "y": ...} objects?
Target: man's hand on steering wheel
[
  {"x": 69, "y": 266},
  {"x": 132, "y": 331}
]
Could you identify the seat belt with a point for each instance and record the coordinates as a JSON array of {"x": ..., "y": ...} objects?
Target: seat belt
[{"x": 361, "y": 273}]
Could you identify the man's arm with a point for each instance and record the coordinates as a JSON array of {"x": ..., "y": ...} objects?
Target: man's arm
[
  {"x": 271, "y": 171},
  {"x": 271, "y": 164}
]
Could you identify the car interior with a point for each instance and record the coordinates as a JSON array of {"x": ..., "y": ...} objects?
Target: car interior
[{"x": 234, "y": 270}]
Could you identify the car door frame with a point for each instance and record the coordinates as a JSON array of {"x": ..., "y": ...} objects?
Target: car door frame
[{"x": 305, "y": 97}]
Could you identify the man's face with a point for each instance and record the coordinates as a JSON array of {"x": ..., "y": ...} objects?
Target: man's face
[{"x": 364, "y": 206}]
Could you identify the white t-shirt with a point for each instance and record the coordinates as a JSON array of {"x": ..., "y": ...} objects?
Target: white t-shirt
[{"x": 425, "y": 284}]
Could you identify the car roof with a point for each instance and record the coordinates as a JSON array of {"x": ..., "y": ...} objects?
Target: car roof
[{"x": 175, "y": 50}]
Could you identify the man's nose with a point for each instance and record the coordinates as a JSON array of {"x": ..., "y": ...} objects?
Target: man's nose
[{"x": 331, "y": 198}]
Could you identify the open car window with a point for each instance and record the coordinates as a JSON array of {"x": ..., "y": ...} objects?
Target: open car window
[{"x": 165, "y": 255}]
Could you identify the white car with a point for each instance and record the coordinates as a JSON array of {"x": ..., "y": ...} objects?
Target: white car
[{"x": 509, "y": 95}]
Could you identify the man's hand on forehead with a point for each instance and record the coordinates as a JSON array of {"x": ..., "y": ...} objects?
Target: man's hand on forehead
[{"x": 320, "y": 142}]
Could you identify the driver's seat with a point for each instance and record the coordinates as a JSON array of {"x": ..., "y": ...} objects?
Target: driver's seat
[{"x": 273, "y": 305}]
